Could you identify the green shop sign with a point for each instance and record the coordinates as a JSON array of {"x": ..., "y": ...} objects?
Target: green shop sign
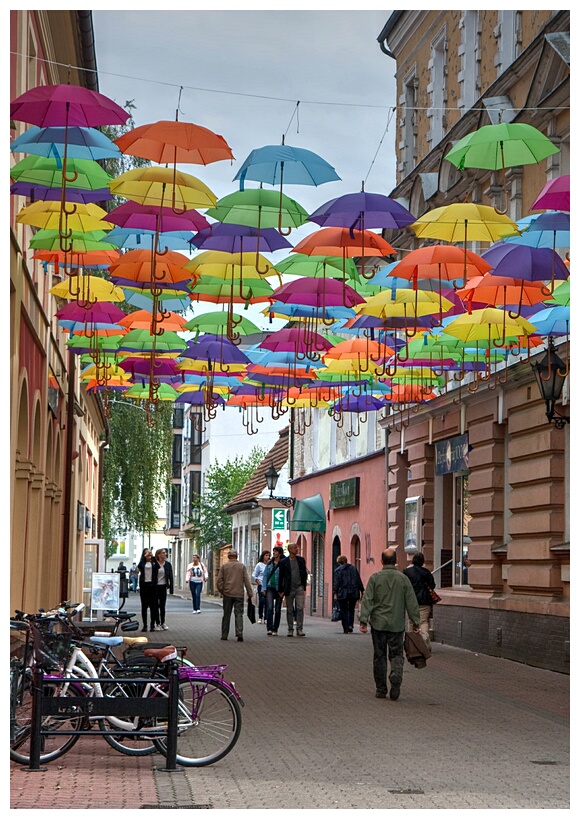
[{"x": 345, "y": 493}]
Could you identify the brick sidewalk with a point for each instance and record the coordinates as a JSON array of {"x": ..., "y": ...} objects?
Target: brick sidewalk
[{"x": 469, "y": 731}]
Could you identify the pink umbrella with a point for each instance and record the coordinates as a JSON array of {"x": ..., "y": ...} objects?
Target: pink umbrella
[
  {"x": 298, "y": 340},
  {"x": 144, "y": 366},
  {"x": 555, "y": 195},
  {"x": 101, "y": 312},
  {"x": 318, "y": 293},
  {"x": 66, "y": 105},
  {"x": 148, "y": 217}
]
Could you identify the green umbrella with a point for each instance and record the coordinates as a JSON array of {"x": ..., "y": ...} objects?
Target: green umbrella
[
  {"x": 561, "y": 294},
  {"x": 217, "y": 323},
  {"x": 495, "y": 147},
  {"x": 142, "y": 341},
  {"x": 239, "y": 291},
  {"x": 159, "y": 392},
  {"x": 258, "y": 208},
  {"x": 77, "y": 242},
  {"x": 317, "y": 267},
  {"x": 102, "y": 344},
  {"x": 42, "y": 170}
]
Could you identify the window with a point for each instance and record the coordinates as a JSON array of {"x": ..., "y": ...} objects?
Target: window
[
  {"x": 175, "y": 506},
  {"x": 194, "y": 493},
  {"x": 408, "y": 123},
  {"x": 436, "y": 88},
  {"x": 196, "y": 444},
  {"x": 469, "y": 52},
  {"x": 178, "y": 417},
  {"x": 508, "y": 34},
  {"x": 176, "y": 458}
]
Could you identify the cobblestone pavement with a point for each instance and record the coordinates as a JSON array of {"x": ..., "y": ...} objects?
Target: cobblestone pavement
[{"x": 469, "y": 731}]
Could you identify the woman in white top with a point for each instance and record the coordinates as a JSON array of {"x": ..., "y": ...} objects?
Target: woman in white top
[
  {"x": 195, "y": 575},
  {"x": 164, "y": 585},
  {"x": 257, "y": 575}
]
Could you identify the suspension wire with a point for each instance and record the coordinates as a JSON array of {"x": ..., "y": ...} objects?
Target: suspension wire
[
  {"x": 294, "y": 114},
  {"x": 391, "y": 115}
]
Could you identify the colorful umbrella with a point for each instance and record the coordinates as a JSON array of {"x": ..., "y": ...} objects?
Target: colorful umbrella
[
  {"x": 40, "y": 170},
  {"x": 343, "y": 242},
  {"x": 36, "y": 192},
  {"x": 86, "y": 290},
  {"x": 174, "y": 142},
  {"x": 68, "y": 105},
  {"x": 276, "y": 164},
  {"x": 218, "y": 323},
  {"x": 489, "y": 324},
  {"x": 76, "y": 242},
  {"x": 162, "y": 188},
  {"x": 48, "y": 216},
  {"x": 524, "y": 262},
  {"x": 142, "y": 320},
  {"x": 139, "y": 239},
  {"x": 142, "y": 341},
  {"x": 101, "y": 311},
  {"x": 496, "y": 290},
  {"x": 555, "y": 194},
  {"x": 496, "y": 147},
  {"x": 257, "y": 208},
  {"x": 464, "y": 222},
  {"x": 537, "y": 231},
  {"x": 446, "y": 263},
  {"x": 317, "y": 267},
  {"x": 146, "y": 266},
  {"x": 552, "y": 321},
  {"x": 239, "y": 238},
  {"x": 152, "y": 218},
  {"x": 81, "y": 143},
  {"x": 360, "y": 211}
]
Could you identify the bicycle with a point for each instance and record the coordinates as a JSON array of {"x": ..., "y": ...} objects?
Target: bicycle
[{"x": 209, "y": 709}]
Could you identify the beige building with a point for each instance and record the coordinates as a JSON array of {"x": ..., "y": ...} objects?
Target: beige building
[{"x": 57, "y": 430}]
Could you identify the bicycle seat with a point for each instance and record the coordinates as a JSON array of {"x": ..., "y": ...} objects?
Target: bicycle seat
[
  {"x": 106, "y": 641},
  {"x": 162, "y": 655},
  {"x": 135, "y": 641}
]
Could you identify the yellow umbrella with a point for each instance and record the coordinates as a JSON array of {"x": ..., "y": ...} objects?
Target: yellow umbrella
[
  {"x": 464, "y": 222},
  {"x": 163, "y": 187},
  {"x": 87, "y": 289},
  {"x": 223, "y": 265},
  {"x": 49, "y": 215},
  {"x": 490, "y": 323}
]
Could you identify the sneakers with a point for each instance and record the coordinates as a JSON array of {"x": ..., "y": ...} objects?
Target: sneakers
[
  {"x": 381, "y": 695},
  {"x": 269, "y": 633},
  {"x": 224, "y": 638},
  {"x": 260, "y": 620},
  {"x": 275, "y": 633},
  {"x": 164, "y": 627},
  {"x": 300, "y": 633},
  {"x": 290, "y": 634},
  {"x": 395, "y": 691}
]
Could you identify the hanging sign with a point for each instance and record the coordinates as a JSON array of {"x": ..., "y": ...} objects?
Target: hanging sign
[{"x": 451, "y": 455}]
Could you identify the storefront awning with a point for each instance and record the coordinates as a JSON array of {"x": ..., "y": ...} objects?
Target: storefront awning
[{"x": 309, "y": 515}]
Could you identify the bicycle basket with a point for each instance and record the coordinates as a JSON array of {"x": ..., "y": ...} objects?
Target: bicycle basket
[{"x": 52, "y": 649}]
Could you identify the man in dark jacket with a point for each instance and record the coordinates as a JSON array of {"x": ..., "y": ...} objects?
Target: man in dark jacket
[
  {"x": 422, "y": 580},
  {"x": 292, "y": 582},
  {"x": 347, "y": 588}
]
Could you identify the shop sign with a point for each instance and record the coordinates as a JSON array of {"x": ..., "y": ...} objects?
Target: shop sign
[
  {"x": 345, "y": 493},
  {"x": 451, "y": 455}
]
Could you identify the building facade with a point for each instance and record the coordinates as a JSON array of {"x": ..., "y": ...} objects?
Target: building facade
[{"x": 57, "y": 429}]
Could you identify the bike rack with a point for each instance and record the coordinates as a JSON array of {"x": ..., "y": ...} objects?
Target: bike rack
[{"x": 163, "y": 707}]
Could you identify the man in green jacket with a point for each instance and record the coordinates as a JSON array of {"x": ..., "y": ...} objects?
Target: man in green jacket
[{"x": 389, "y": 594}]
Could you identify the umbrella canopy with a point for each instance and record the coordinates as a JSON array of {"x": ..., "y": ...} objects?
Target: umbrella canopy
[
  {"x": 494, "y": 147},
  {"x": 343, "y": 242},
  {"x": 158, "y": 367},
  {"x": 142, "y": 320},
  {"x": 77, "y": 241},
  {"x": 552, "y": 321},
  {"x": 153, "y": 218},
  {"x": 275, "y": 164},
  {"x": 80, "y": 143},
  {"x": 555, "y": 194},
  {"x": 297, "y": 340},
  {"x": 494, "y": 290},
  {"x": 171, "y": 142},
  {"x": 317, "y": 266},
  {"x": 464, "y": 222},
  {"x": 214, "y": 348},
  {"x": 317, "y": 293},
  {"x": 524, "y": 262},
  {"x": 561, "y": 293},
  {"x": 66, "y": 104},
  {"x": 138, "y": 239},
  {"x": 48, "y": 215},
  {"x": 163, "y": 187},
  {"x": 442, "y": 262},
  {"x": 216, "y": 323},
  {"x": 552, "y": 231},
  {"x": 89, "y": 258},
  {"x": 145, "y": 266},
  {"x": 244, "y": 290},
  {"x": 143, "y": 341},
  {"x": 491, "y": 324},
  {"x": 161, "y": 392},
  {"x": 102, "y": 311},
  {"x": 35, "y": 192},
  {"x": 48, "y": 172},
  {"x": 239, "y": 238},
  {"x": 257, "y": 207},
  {"x": 87, "y": 289},
  {"x": 358, "y": 211}
]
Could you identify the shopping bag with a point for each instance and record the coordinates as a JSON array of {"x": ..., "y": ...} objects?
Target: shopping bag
[
  {"x": 251, "y": 611},
  {"x": 336, "y": 615}
]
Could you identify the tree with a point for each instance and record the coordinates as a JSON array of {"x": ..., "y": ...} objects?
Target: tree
[
  {"x": 137, "y": 468},
  {"x": 222, "y": 483}
]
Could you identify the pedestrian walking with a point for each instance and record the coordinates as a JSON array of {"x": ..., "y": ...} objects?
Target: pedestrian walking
[
  {"x": 148, "y": 568},
  {"x": 347, "y": 588},
  {"x": 270, "y": 591},
  {"x": 422, "y": 581},
  {"x": 232, "y": 578},
  {"x": 196, "y": 575},
  {"x": 292, "y": 583},
  {"x": 387, "y": 596},
  {"x": 164, "y": 586},
  {"x": 133, "y": 577},
  {"x": 257, "y": 575}
]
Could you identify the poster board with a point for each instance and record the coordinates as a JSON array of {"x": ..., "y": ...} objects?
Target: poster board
[
  {"x": 105, "y": 591},
  {"x": 413, "y": 524}
]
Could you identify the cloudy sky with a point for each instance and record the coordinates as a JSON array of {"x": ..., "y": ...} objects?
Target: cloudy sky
[{"x": 241, "y": 74}]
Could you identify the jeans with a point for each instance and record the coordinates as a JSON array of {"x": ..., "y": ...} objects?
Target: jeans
[
  {"x": 148, "y": 594},
  {"x": 133, "y": 582},
  {"x": 161, "y": 600},
  {"x": 295, "y": 597},
  {"x": 273, "y": 609},
  {"x": 195, "y": 589},
  {"x": 347, "y": 607},
  {"x": 394, "y": 641},
  {"x": 261, "y": 602},
  {"x": 237, "y": 604}
]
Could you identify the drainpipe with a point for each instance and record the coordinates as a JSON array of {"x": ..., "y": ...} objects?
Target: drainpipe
[
  {"x": 291, "y": 449},
  {"x": 68, "y": 460},
  {"x": 103, "y": 446}
]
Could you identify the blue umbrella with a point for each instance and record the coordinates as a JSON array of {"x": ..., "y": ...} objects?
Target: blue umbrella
[
  {"x": 552, "y": 321},
  {"x": 133, "y": 239},
  {"x": 82, "y": 143},
  {"x": 546, "y": 230},
  {"x": 276, "y": 164}
]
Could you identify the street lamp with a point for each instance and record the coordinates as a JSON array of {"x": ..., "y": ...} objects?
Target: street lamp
[
  {"x": 550, "y": 375},
  {"x": 271, "y": 480}
]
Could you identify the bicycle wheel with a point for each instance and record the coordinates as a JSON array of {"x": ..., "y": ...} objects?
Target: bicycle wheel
[
  {"x": 128, "y": 745},
  {"x": 209, "y": 723},
  {"x": 52, "y": 745}
]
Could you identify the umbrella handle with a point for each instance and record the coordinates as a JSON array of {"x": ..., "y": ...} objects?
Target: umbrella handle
[
  {"x": 257, "y": 266},
  {"x": 72, "y": 178}
]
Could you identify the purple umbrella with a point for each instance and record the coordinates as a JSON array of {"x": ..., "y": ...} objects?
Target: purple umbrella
[
  {"x": 352, "y": 402},
  {"x": 215, "y": 349},
  {"x": 148, "y": 217},
  {"x": 142, "y": 366},
  {"x": 45, "y": 194},
  {"x": 199, "y": 398},
  {"x": 361, "y": 211},
  {"x": 318, "y": 293},
  {"x": 232, "y": 238},
  {"x": 531, "y": 264}
]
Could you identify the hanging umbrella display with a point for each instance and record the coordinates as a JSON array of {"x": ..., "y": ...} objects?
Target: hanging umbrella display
[
  {"x": 40, "y": 170},
  {"x": 504, "y": 291},
  {"x": 139, "y": 239},
  {"x": 346, "y": 243},
  {"x": 47, "y": 215},
  {"x": 144, "y": 266},
  {"x": 257, "y": 207},
  {"x": 536, "y": 231},
  {"x": 489, "y": 324},
  {"x": 87, "y": 290},
  {"x": 152, "y": 218},
  {"x": 81, "y": 143},
  {"x": 159, "y": 187},
  {"x": 444, "y": 263},
  {"x": 300, "y": 341},
  {"x": 77, "y": 242},
  {"x": 36, "y": 192},
  {"x": 101, "y": 313},
  {"x": 555, "y": 195},
  {"x": 66, "y": 105},
  {"x": 318, "y": 266},
  {"x": 524, "y": 262},
  {"x": 220, "y": 324},
  {"x": 142, "y": 341},
  {"x": 405, "y": 304},
  {"x": 464, "y": 222},
  {"x": 171, "y": 142}
]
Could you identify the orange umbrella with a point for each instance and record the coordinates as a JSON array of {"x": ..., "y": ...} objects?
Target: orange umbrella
[
  {"x": 146, "y": 266},
  {"x": 493, "y": 291},
  {"x": 443, "y": 262},
  {"x": 172, "y": 142},
  {"x": 142, "y": 320},
  {"x": 92, "y": 258},
  {"x": 344, "y": 242}
]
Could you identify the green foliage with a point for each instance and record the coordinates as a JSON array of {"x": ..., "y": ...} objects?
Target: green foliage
[
  {"x": 223, "y": 481},
  {"x": 118, "y": 165},
  {"x": 137, "y": 468}
]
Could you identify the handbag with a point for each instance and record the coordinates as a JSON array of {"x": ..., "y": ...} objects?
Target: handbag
[
  {"x": 256, "y": 599},
  {"x": 434, "y": 596},
  {"x": 251, "y": 611},
  {"x": 336, "y": 615}
]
